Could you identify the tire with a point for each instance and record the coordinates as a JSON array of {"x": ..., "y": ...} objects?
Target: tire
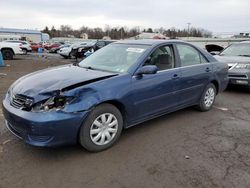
[
  {"x": 98, "y": 140},
  {"x": 207, "y": 99},
  {"x": 25, "y": 51},
  {"x": 92, "y": 50},
  {"x": 7, "y": 54},
  {"x": 71, "y": 55}
]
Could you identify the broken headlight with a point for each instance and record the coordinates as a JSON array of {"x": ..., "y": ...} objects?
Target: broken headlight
[{"x": 53, "y": 103}]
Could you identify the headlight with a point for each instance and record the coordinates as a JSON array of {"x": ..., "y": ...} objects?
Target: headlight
[
  {"x": 53, "y": 103},
  {"x": 242, "y": 66}
]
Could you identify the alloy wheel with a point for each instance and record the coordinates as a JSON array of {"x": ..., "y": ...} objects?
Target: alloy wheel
[{"x": 209, "y": 97}]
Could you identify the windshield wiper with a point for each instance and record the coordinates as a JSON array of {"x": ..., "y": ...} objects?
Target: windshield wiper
[
  {"x": 244, "y": 55},
  {"x": 76, "y": 64},
  {"x": 88, "y": 67}
]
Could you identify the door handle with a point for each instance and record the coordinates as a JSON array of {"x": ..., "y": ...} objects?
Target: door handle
[
  {"x": 208, "y": 69},
  {"x": 175, "y": 77}
]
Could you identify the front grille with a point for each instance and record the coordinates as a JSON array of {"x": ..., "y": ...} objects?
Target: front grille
[{"x": 18, "y": 101}]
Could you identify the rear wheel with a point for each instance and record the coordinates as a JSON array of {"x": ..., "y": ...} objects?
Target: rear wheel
[
  {"x": 207, "y": 98},
  {"x": 7, "y": 54},
  {"x": 101, "y": 129}
]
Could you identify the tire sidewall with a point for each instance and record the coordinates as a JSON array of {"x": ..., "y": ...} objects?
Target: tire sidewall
[
  {"x": 84, "y": 135},
  {"x": 202, "y": 104}
]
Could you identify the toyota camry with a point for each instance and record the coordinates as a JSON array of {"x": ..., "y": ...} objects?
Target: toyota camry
[{"x": 119, "y": 86}]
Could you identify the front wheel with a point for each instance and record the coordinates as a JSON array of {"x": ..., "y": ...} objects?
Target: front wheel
[
  {"x": 102, "y": 128},
  {"x": 207, "y": 98}
]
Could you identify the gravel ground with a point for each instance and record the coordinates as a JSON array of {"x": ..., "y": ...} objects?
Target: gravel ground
[{"x": 187, "y": 148}]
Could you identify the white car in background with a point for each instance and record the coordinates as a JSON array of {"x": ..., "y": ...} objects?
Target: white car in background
[
  {"x": 9, "y": 49},
  {"x": 25, "y": 46},
  {"x": 67, "y": 52}
]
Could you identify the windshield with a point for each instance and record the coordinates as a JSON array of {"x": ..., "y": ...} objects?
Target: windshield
[
  {"x": 114, "y": 58},
  {"x": 237, "y": 50}
]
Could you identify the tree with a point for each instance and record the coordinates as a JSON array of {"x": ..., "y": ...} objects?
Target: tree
[{"x": 149, "y": 30}]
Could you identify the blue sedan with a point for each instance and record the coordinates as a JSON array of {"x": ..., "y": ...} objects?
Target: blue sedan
[{"x": 119, "y": 86}]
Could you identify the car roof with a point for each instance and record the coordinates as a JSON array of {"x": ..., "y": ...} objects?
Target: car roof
[{"x": 149, "y": 42}]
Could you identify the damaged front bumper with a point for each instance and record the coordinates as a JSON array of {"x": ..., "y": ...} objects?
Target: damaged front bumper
[{"x": 45, "y": 129}]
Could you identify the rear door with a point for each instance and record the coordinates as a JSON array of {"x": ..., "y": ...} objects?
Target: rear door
[{"x": 196, "y": 72}]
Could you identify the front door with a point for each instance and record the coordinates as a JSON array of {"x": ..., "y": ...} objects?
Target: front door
[{"x": 155, "y": 93}]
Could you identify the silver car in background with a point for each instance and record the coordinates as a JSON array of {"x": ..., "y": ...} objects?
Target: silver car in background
[{"x": 237, "y": 56}]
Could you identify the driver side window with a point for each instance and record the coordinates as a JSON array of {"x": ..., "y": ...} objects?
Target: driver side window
[{"x": 162, "y": 57}]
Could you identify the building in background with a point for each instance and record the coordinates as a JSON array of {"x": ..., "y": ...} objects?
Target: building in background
[
  {"x": 84, "y": 36},
  {"x": 4, "y": 37},
  {"x": 45, "y": 37},
  {"x": 25, "y": 34}
]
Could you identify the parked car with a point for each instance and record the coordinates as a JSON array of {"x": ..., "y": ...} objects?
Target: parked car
[
  {"x": 56, "y": 49},
  {"x": 8, "y": 50},
  {"x": 119, "y": 86},
  {"x": 69, "y": 52},
  {"x": 238, "y": 58},
  {"x": 34, "y": 46},
  {"x": 53, "y": 45},
  {"x": 25, "y": 46},
  {"x": 79, "y": 52}
]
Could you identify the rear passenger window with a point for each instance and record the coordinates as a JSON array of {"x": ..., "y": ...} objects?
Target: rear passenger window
[{"x": 189, "y": 55}]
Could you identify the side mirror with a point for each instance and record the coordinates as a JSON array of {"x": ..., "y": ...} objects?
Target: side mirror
[{"x": 148, "y": 69}]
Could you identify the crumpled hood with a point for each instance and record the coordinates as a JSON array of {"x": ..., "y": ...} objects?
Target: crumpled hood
[
  {"x": 56, "y": 79},
  {"x": 232, "y": 59}
]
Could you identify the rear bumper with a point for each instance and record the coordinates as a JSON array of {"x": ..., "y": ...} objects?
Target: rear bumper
[{"x": 47, "y": 129}]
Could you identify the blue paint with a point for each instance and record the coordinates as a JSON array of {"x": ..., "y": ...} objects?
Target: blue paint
[{"x": 1, "y": 60}]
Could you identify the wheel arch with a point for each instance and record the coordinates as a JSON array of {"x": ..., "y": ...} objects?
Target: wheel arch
[
  {"x": 120, "y": 106},
  {"x": 6, "y": 48},
  {"x": 216, "y": 84}
]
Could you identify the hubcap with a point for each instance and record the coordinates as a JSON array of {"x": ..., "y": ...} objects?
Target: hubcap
[
  {"x": 209, "y": 97},
  {"x": 103, "y": 129}
]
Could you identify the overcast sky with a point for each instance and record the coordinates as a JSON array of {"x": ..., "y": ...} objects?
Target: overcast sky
[{"x": 214, "y": 15}]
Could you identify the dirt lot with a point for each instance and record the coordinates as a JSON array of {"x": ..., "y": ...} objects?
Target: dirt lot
[{"x": 183, "y": 149}]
